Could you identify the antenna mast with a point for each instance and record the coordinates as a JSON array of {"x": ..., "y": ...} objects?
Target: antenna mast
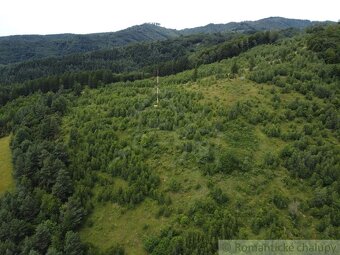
[{"x": 157, "y": 90}]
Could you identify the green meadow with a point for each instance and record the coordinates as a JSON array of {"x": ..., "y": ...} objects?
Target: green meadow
[{"x": 6, "y": 166}]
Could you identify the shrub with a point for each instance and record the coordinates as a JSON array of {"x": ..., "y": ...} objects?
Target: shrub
[
  {"x": 271, "y": 160},
  {"x": 280, "y": 201},
  {"x": 218, "y": 195}
]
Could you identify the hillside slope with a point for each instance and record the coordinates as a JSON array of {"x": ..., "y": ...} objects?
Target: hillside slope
[
  {"x": 235, "y": 159},
  {"x": 244, "y": 148},
  {"x": 247, "y": 147}
]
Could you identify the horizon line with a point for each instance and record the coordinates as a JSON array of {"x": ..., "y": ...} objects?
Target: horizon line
[{"x": 155, "y": 23}]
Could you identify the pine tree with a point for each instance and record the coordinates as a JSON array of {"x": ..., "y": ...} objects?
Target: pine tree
[
  {"x": 71, "y": 214},
  {"x": 43, "y": 235},
  {"x": 63, "y": 187},
  {"x": 59, "y": 105},
  {"x": 73, "y": 245},
  {"x": 53, "y": 251}
]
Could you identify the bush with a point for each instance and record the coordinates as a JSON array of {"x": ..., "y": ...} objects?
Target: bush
[
  {"x": 280, "y": 201},
  {"x": 175, "y": 186},
  {"x": 115, "y": 250},
  {"x": 228, "y": 162},
  {"x": 272, "y": 131},
  {"x": 218, "y": 195}
]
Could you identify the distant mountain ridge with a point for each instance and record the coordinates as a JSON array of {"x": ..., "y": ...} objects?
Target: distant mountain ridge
[
  {"x": 19, "y": 48},
  {"x": 271, "y": 23}
]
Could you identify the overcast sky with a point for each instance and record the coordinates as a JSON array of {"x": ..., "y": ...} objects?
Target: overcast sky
[{"x": 90, "y": 16}]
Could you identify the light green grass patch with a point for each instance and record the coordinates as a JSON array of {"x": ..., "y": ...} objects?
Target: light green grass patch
[
  {"x": 113, "y": 224},
  {"x": 6, "y": 165}
]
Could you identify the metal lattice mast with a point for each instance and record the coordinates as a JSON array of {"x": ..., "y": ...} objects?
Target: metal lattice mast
[{"x": 157, "y": 90}]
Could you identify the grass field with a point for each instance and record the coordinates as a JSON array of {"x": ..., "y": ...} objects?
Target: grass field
[{"x": 6, "y": 166}]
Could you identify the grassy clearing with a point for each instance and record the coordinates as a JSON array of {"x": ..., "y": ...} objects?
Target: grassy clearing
[
  {"x": 6, "y": 166},
  {"x": 111, "y": 224}
]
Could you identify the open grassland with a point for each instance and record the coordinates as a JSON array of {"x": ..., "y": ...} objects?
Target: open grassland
[{"x": 6, "y": 166}]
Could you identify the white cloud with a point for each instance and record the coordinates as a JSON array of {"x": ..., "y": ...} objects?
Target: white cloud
[{"x": 88, "y": 16}]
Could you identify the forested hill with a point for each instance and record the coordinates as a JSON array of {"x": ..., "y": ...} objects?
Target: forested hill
[
  {"x": 140, "y": 60},
  {"x": 271, "y": 23},
  {"x": 30, "y": 47},
  {"x": 19, "y": 48},
  {"x": 125, "y": 63},
  {"x": 244, "y": 144}
]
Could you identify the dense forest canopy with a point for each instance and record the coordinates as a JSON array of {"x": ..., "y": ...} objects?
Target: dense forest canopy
[{"x": 244, "y": 145}]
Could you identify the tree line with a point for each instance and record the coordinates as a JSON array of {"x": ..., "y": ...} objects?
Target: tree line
[{"x": 131, "y": 63}]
